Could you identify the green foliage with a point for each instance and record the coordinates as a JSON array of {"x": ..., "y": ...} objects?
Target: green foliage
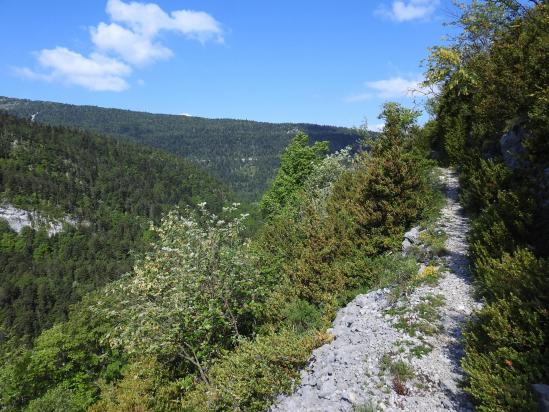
[
  {"x": 323, "y": 247},
  {"x": 59, "y": 399},
  {"x": 507, "y": 346},
  {"x": 385, "y": 270},
  {"x": 143, "y": 388},
  {"x": 208, "y": 320},
  {"x": 482, "y": 181},
  {"x": 297, "y": 163},
  {"x": 241, "y": 153},
  {"x": 398, "y": 368},
  {"x": 109, "y": 188},
  {"x": 502, "y": 226},
  {"x": 62, "y": 171},
  {"x": 400, "y": 127},
  {"x": 422, "y": 350},
  {"x": 66, "y": 358},
  {"x": 402, "y": 370},
  {"x": 302, "y": 316},
  {"x": 249, "y": 378},
  {"x": 501, "y": 53},
  {"x": 434, "y": 240},
  {"x": 193, "y": 294}
]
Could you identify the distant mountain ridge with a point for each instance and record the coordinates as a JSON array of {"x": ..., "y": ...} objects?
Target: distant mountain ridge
[{"x": 242, "y": 153}]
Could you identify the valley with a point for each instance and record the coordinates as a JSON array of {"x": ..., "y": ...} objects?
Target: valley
[{"x": 175, "y": 263}]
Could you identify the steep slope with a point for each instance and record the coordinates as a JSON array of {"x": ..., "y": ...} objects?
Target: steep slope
[
  {"x": 242, "y": 153},
  {"x": 105, "y": 190},
  {"x": 397, "y": 355}
]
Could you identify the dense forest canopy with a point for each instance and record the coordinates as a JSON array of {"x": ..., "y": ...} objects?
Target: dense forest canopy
[
  {"x": 110, "y": 188},
  {"x": 242, "y": 153}
]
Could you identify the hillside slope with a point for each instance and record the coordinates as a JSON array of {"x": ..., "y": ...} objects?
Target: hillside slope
[
  {"x": 107, "y": 190},
  {"x": 242, "y": 153},
  {"x": 398, "y": 354}
]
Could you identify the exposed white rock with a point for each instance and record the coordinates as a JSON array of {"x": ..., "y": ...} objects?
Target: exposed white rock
[
  {"x": 347, "y": 372},
  {"x": 19, "y": 218}
]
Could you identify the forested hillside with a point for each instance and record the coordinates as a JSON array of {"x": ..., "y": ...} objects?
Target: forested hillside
[
  {"x": 243, "y": 154},
  {"x": 492, "y": 122},
  {"x": 206, "y": 315},
  {"x": 209, "y": 319},
  {"x": 110, "y": 188}
]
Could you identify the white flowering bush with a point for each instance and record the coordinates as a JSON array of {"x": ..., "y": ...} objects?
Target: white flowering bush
[
  {"x": 192, "y": 295},
  {"x": 319, "y": 183}
]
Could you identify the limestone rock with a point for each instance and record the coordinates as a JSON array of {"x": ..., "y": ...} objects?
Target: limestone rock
[{"x": 512, "y": 148}]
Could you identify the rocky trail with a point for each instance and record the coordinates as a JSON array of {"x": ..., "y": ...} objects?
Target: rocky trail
[{"x": 397, "y": 352}]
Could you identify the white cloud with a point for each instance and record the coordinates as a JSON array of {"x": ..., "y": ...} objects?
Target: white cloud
[
  {"x": 392, "y": 88},
  {"x": 31, "y": 74},
  {"x": 149, "y": 19},
  {"x": 97, "y": 72},
  {"x": 378, "y": 127},
  {"x": 143, "y": 18},
  {"x": 197, "y": 25},
  {"x": 402, "y": 11},
  {"x": 128, "y": 41},
  {"x": 132, "y": 47}
]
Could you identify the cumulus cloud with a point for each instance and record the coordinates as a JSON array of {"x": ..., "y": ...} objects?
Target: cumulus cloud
[
  {"x": 402, "y": 11},
  {"x": 96, "y": 72},
  {"x": 149, "y": 19},
  {"x": 392, "y": 88},
  {"x": 128, "y": 41},
  {"x": 132, "y": 47}
]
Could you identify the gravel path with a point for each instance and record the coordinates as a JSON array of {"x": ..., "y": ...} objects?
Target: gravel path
[{"x": 375, "y": 337}]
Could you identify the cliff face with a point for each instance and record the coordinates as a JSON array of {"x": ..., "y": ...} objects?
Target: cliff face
[{"x": 19, "y": 218}]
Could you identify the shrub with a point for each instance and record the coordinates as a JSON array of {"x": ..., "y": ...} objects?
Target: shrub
[
  {"x": 302, "y": 316},
  {"x": 501, "y": 227},
  {"x": 60, "y": 399},
  {"x": 322, "y": 245},
  {"x": 140, "y": 389},
  {"x": 506, "y": 348},
  {"x": 249, "y": 378},
  {"x": 195, "y": 293},
  {"x": 296, "y": 164},
  {"x": 481, "y": 182}
]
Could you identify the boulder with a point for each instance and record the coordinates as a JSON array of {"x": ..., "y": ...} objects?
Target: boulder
[
  {"x": 411, "y": 237},
  {"x": 512, "y": 148},
  {"x": 542, "y": 393}
]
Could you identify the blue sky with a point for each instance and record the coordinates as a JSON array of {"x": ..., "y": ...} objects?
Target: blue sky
[{"x": 327, "y": 62}]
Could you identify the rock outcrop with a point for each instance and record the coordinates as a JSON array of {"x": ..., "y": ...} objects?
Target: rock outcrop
[
  {"x": 18, "y": 218},
  {"x": 512, "y": 149}
]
